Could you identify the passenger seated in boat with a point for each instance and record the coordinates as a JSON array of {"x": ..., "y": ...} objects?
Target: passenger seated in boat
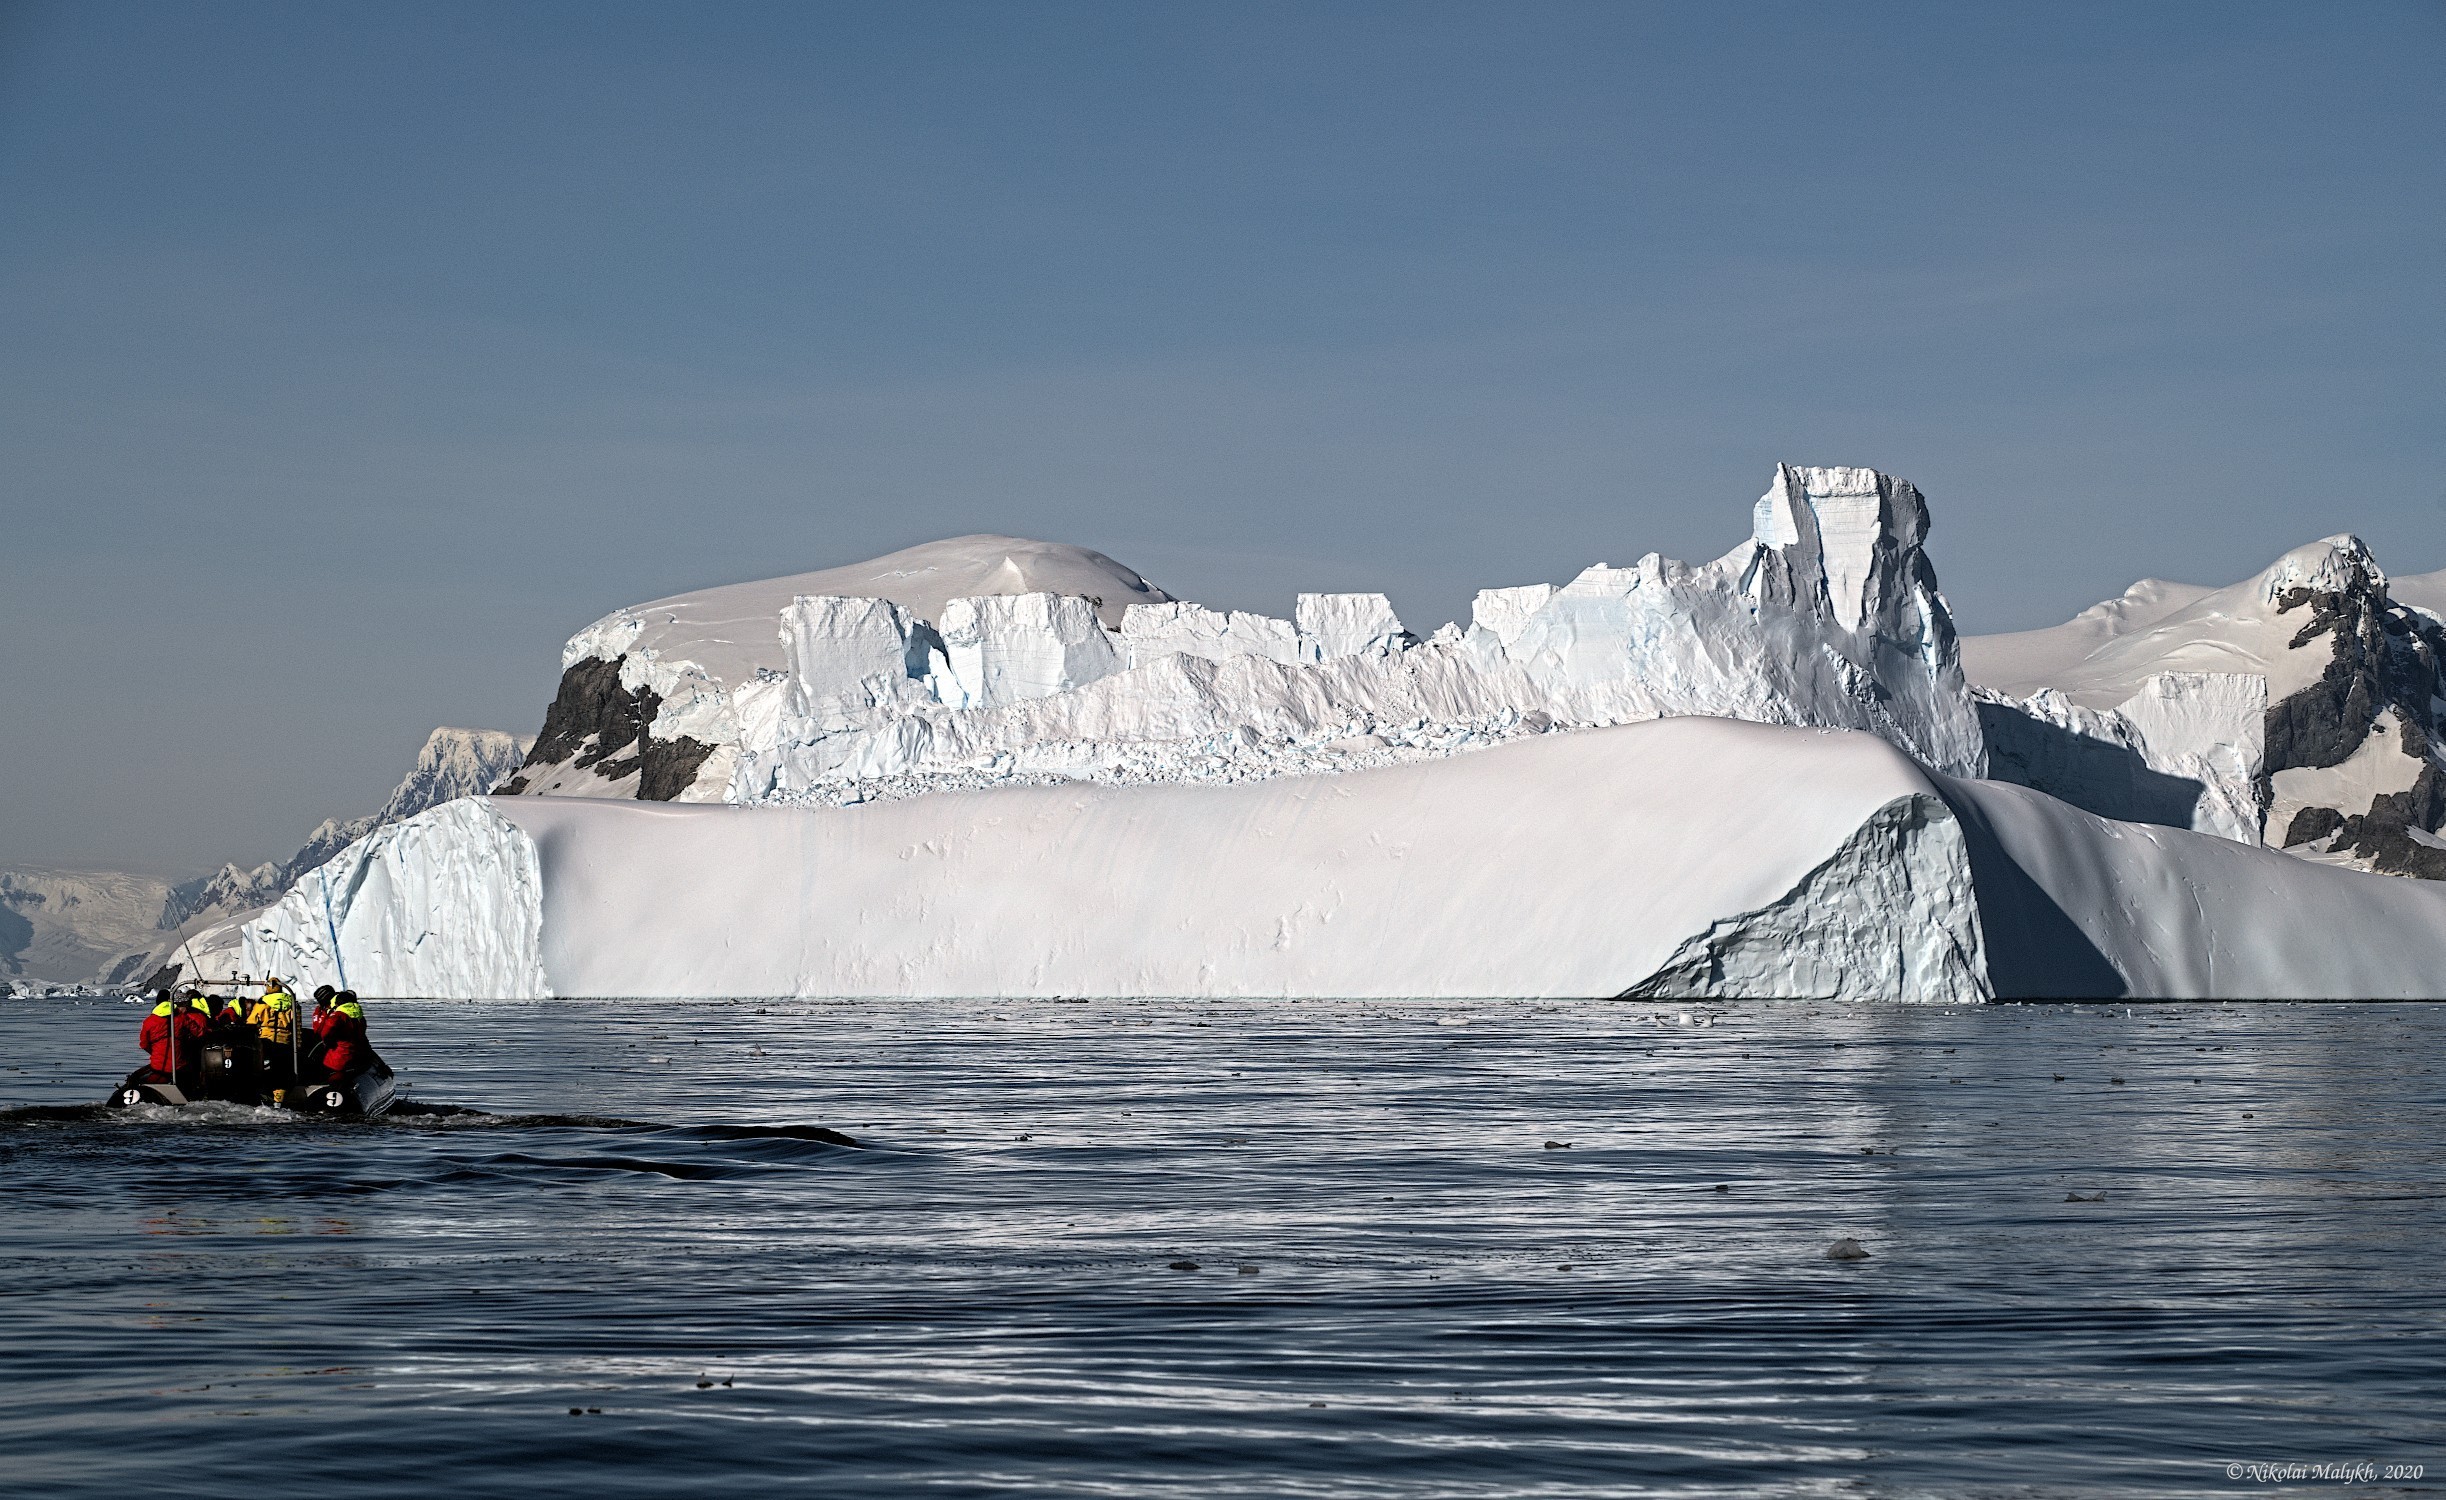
[
  {"x": 273, "y": 1020},
  {"x": 345, "y": 1051},
  {"x": 173, "y": 1039}
]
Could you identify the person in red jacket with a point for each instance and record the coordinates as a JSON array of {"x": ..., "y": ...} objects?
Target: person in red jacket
[
  {"x": 345, "y": 1051},
  {"x": 172, "y": 1038}
]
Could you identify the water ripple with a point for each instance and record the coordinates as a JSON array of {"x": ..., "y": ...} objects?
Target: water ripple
[{"x": 1190, "y": 1249}]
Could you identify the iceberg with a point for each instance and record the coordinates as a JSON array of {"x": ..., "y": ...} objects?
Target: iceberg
[
  {"x": 1074, "y": 666},
  {"x": 1681, "y": 857}
]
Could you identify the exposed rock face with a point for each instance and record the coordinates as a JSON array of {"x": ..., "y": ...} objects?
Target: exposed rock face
[
  {"x": 2376, "y": 699},
  {"x": 597, "y": 723}
]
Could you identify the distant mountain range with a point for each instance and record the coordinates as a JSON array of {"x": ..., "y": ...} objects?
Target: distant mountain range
[{"x": 111, "y": 927}]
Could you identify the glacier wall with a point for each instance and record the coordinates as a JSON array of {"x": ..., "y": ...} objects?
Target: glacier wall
[
  {"x": 1070, "y": 665},
  {"x": 447, "y": 904},
  {"x": 1829, "y": 616}
]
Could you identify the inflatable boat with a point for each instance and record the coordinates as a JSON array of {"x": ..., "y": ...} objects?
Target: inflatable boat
[{"x": 220, "y": 1077}]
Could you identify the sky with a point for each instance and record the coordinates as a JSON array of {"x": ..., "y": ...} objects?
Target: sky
[{"x": 354, "y": 355}]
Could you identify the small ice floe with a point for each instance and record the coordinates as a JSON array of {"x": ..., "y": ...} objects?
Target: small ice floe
[
  {"x": 1846, "y": 1249},
  {"x": 1245, "y": 1269},
  {"x": 658, "y": 1059}
]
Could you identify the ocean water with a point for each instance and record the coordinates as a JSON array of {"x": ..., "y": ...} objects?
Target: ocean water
[{"x": 1469, "y": 1250}]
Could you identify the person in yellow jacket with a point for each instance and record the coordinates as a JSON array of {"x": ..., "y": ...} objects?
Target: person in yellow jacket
[{"x": 274, "y": 1018}]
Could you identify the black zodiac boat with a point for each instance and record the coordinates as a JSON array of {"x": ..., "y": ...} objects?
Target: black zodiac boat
[
  {"x": 232, "y": 1071},
  {"x": 368, "y": 1093}
]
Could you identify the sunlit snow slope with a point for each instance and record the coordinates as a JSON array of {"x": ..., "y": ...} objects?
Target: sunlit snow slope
[
  {"x": 1688, "y": 856},
  {"x": 1677, "y": 857}
]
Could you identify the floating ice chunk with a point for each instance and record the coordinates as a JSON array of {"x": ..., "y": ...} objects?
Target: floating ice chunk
[
  {"x": 447, "y": 905},
  {"x": 1010, "y": 648}
]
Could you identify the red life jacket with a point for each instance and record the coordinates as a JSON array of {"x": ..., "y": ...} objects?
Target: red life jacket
[{"x": 155, "y": 1037}]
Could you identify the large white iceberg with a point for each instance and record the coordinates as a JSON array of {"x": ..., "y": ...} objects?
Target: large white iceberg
[
  {"x": 1071, "y": 665},
  {"x": 1682, "y": 857},
  {"x": 1007, "y": 768}
]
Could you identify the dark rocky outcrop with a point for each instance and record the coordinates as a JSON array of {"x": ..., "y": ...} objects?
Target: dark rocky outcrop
[
  {"x": 2311, "y": 824},
  {"x": 593, "y": 719},
  {"x": 2384, "y": 657}
]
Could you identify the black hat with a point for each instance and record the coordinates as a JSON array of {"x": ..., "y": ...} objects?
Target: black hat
[{"x": 323, "y": 992}]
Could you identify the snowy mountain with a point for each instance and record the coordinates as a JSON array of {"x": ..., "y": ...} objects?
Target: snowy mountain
[
  {"x": 2303, "y": 703},
  {"x": 70, "y": 926}
]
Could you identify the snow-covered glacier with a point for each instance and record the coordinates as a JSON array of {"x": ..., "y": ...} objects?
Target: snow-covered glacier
[{"x": 2303, "y": 705}]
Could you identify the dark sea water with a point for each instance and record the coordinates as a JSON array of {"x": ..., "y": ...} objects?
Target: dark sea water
[{"x": 1400, "y": 1287}]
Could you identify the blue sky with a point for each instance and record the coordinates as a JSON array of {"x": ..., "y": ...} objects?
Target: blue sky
[{"x": 351, "y": 356}]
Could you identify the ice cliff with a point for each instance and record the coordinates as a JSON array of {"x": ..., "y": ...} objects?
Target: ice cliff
[
  {"x": 1067, "y": 664},
  {"x": 202, "y": 919},
  {"x": 1688, "y": 857}
]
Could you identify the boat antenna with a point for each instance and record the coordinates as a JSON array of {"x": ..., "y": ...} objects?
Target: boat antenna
[{"x": 184, "y": 946}]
